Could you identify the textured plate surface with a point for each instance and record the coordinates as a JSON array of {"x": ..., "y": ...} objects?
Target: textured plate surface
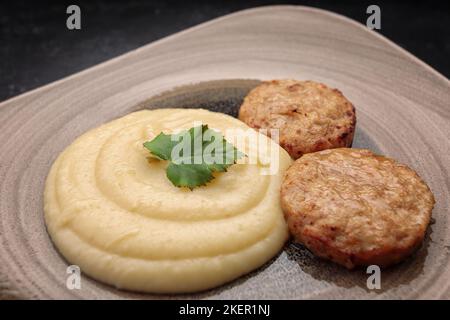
[{"x": 402, "y": 108}]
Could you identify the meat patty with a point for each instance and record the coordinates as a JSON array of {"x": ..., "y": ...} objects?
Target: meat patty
[
  {"x": 310, "y": 116},
  {"x": 356, "y": 208}
]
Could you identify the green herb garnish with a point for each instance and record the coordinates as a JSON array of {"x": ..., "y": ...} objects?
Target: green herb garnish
[{"x": 193, "y": 155}]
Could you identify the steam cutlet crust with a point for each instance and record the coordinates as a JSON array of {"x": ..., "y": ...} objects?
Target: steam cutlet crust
[
  {"x": 356, "y": 208},
  {"x": 310, "y": 116}
]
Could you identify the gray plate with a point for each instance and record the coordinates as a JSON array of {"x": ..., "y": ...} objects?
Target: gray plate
[{"x": 402, "y": 109}]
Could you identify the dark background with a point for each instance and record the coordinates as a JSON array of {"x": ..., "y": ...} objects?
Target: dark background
[{"x": 36, "y": 47}]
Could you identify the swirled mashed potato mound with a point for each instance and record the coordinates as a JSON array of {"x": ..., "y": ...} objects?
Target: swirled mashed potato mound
[
  {"x": 112, "y": 211},
  {"x": 356, "y": 208},
  {"x": 309, "y": 115}
]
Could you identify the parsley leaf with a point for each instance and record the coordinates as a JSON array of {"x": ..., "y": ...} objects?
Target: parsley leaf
[
  {"x": 161, "y": 146},
  {"x": 194, "y": 155},
  {"x": 189, "y": 175}
]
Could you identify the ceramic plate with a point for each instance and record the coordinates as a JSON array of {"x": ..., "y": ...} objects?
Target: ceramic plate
[{"x": 402, "y": 109}]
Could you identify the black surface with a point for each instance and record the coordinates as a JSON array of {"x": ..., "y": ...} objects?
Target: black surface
[{"x": 36, "y": 47}]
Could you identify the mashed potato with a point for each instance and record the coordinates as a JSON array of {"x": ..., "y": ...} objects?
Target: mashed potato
[{"x": 112, "y": 211}]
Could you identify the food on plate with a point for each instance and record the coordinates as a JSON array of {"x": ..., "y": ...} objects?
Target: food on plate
[
  {"x": 310, "y": 116},
  {"x": 356, "y": 208},
  {"x": 111, "y": 210}
]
